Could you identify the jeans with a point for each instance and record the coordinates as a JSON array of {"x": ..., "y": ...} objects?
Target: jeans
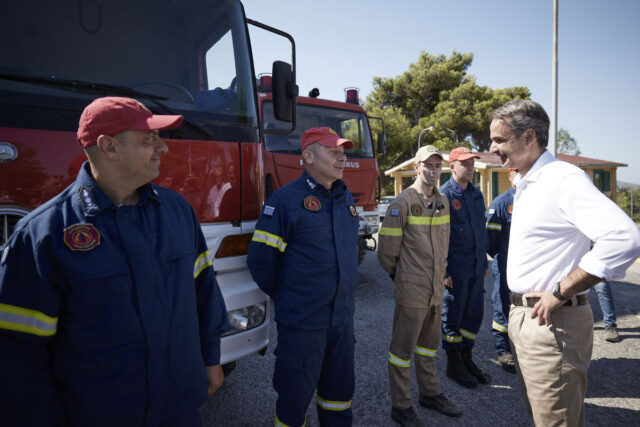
[{"x": 605, "y": 296}]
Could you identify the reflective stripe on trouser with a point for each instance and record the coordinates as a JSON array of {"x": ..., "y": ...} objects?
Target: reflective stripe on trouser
[
  {"x": 553, "y": 362},
  {"x": 415, "y": 331},
  {"x": 278, "y": 423},
  {"x": 462, "y": 311},
  {"x": 307, "y": 360},
  {"x": 500, "y": 302}
]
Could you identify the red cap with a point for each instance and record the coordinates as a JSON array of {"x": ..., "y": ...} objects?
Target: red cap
[
  {"x": 323, "y": 136},
  {"x": 113, "y": 115},
  {"x": 461, "y": 153}
]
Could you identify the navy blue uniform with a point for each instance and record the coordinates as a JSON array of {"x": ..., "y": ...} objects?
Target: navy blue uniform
[
  {"x": 498, "y": 227},
  {"x": 304, "y": 255},
  {"x": 463, "y": 305},
  {"x": 108, "y": 315}
]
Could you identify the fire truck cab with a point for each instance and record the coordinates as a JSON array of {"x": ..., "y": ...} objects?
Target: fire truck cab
[{"x": 189, "y": 57}]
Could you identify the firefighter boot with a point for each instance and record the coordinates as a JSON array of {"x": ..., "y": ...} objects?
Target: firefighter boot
[
  {"x": 406, "y": 417},
  {"x": 457, "y": 371},
  {"x": 481, "y": 376}
]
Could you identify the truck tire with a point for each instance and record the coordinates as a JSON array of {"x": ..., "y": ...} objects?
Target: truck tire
[{"x": 362, "y": 249}]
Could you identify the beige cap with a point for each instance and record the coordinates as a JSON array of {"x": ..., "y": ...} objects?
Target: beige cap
[{"x": 425, "y": 152}]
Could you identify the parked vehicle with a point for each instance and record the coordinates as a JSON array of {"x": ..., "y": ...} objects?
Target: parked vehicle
[
  {"x": 189, "y": 57},
  {"x": 383, "y": 205}
]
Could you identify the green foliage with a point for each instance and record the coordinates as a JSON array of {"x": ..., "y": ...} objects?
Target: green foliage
[
  {"x": 624, "y": 201},
  {"x": 435, "y": 91},
  {"x": 566, "y": 143}
]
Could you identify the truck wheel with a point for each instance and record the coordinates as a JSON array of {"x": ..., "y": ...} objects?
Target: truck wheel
[
  {"x": 362, "y": 249},
  {"x": 228, "y": 367}
]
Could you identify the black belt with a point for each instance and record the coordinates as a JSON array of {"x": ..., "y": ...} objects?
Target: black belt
[{"x": 516, "y": 299}]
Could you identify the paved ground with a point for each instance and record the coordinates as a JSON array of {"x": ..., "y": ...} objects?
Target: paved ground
[{"x": 613, "y": 397}]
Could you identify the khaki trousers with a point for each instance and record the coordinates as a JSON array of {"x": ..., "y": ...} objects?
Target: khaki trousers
[
  {"x": 552, "y": 362},
  {"x": 415, "y": 330}
]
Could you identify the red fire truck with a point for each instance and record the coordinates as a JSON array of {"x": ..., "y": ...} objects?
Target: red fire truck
[
  {"x": 283, "y": 161},
  {"x": 189, "y": 57}
]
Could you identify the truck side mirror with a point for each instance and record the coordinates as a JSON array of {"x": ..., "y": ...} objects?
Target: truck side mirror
[
  {"x": 382, "y": 143},
  {"x": 285, "y": 92}
]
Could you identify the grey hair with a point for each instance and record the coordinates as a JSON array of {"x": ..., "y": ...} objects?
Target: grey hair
[{"x": 520, "y": 115}]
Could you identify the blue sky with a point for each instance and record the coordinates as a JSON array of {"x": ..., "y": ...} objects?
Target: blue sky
[{"x": 347, "y": 43}]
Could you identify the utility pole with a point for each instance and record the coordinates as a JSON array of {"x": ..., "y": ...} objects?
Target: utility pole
[{"x": 554, "y": 85}]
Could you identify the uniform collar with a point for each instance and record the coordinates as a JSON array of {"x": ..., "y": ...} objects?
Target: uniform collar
[
  {"x": 534, "y": 172},
  {"x": 312, "y": 185},
  {"x": 93, "y": 200},
  {"x": 457, "y": 189}
]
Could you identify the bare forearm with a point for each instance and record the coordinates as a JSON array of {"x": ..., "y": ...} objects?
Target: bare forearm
[{"x": 577, "y": 281}]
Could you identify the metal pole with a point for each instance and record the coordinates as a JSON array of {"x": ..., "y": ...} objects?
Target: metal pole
[{"x": 554, "y": 91}]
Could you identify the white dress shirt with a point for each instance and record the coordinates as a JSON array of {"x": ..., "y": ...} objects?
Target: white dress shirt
[{"x": 557, "y": 213}]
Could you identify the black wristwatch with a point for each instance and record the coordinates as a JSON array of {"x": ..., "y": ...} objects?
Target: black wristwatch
[{"x": 556, "y": 292}]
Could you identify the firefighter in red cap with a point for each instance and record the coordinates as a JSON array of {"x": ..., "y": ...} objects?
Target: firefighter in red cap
[
  {"x": 110, "y": 313},
  {"x": 414, "y": 239},
  {"x": 304, "y": 255},
  {"x": 463, "y": 305}
]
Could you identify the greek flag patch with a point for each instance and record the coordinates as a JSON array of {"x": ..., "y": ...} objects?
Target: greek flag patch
[
  {"x": 492, "y": 211},
  {"x": 268, "y": 210},
  {"x": 394, "y": 212}
]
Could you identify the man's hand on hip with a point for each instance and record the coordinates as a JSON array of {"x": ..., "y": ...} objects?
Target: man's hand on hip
[{"x": 543, "y": 308}]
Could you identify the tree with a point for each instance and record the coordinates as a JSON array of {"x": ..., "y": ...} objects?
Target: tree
[
  {"x": 436, "y": 92},
  {"x": 566, "y": 143},
  {"x": 624, "y": 200}
]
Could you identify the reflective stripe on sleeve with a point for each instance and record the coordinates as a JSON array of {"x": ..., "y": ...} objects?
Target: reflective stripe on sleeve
[
  {"x": 390, "y": 231},
  {"x": 498, "y": 327},
  {"x": 467, "y": 334},
  {"x": 333, "y": 405},
  {"x": 427, "y": 220},
  {"x": 20, "y": 319},
  {"x": 269, "y": 239},
  {"x": 395, "y": 360},
  {"x": 423, "y": 351},
  {"x": 452, "y": 338},
  {"x": 494, "y": 226},
  {"x": 203, "y": 261}
]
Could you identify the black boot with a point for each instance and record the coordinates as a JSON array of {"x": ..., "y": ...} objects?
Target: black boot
[
  {"x": 481, "y": 376},
  {"x": 457, "y": 371}
]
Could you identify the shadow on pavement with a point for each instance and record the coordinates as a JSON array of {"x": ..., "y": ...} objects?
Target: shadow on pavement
[{"x": 614, "y": 378}]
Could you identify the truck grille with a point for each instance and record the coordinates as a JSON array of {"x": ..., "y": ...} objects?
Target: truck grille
[{"x": 9, "y": 217}]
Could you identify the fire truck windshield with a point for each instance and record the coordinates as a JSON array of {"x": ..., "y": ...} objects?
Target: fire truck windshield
[
  {"x": 349, "y": 124},
  {"x": 190, "y": 55}
]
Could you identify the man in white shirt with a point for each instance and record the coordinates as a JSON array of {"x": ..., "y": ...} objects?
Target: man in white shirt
[{"x": 557, "y": 212}]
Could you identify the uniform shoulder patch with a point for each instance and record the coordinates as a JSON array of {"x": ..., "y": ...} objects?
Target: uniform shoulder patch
[
  {"x": 492, "y": 211},
  {"x": 353, "y": 210},
  {"x": 312, "y": 204},
  {"x": 81, "y": 237},
  {"x": 416, "y": 210},
  {"x": 268, "y": 210},
  {"x": 456, "y": 204},
  {"x": 510, "y": 209},
  {"x": 394, "y": 212}
]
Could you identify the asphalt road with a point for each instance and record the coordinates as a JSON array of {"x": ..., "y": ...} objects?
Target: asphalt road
[{"x": 613, "y": 397}]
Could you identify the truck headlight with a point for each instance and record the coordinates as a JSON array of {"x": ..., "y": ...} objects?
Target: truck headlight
[{"x": 246, "y": 318}]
